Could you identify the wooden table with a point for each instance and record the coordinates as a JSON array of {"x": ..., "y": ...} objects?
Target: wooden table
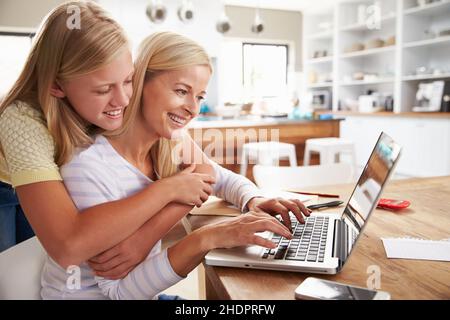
[{"x": 428, "y": 217}]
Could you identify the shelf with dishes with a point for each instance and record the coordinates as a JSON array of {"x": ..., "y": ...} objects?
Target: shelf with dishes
[
  {"x": 320, "y": 85},
  {"x": 428, "y": 9},
  {"x": 364, "y": 26},
  {"x": 322, "y": 35},
  {"x": 426, "y": 77},
  {"x": 367, "y": 52},
  {"x": 320, "y": 60},
  {"x": 441, "y": 40},
  {"x": 410, "y": 47},
  {"x": 367, "y": 82}
]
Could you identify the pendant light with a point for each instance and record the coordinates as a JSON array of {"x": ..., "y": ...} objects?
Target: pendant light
[
  {"x": 258, "y": 24},
  {"x": 223, "y": 24},
  {"x": 156, "y": 11},
  {"x": 186, "y": 11}
]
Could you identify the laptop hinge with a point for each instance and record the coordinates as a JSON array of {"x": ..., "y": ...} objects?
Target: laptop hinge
[{"x": 340, "y": 241}]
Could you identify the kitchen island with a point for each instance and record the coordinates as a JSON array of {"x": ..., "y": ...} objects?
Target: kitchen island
[{"x": 222, "y": 140}]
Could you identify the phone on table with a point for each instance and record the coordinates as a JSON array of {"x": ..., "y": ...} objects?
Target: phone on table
[{"x": 319, "y": 289}]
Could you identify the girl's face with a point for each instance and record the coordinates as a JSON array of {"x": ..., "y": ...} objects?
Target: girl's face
[
  {"x": 172, "y": 99},
  {"x": 100, "y": 97}
]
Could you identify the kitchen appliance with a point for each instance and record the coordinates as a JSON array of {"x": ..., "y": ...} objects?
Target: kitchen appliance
[
  {"x": 446, "y": 103},
  {"x": 320, "y": 100},
  {"x": 371, "y": 102},
  {"x": 431, "y": 96}
]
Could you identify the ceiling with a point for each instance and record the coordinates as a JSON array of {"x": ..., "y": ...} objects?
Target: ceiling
[{"x": 295, "y": 5}]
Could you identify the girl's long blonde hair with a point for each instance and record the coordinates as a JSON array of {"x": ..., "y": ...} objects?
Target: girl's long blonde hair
[
  {"x": 60, "y": 53},
  {"x": 160, "y": 52}
]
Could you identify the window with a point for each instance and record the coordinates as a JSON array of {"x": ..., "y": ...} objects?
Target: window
[
  {"x": 264, "y": 68},
  {"x": 14, "y": 51},
  {"x": 254, "y": 71}
]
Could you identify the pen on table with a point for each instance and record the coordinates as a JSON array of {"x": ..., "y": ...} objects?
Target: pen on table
[{"x": 324, "y": 195}]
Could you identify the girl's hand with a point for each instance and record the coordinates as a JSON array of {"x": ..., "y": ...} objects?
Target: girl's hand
[
  {"x": 191, "y": 188},
  {"x": 241, "y": 231},
  {"x": 280, "y": 206},
  {"x": 118, "y": 261}
]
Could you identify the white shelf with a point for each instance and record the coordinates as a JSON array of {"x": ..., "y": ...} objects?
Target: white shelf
[
  {"x": 320, "y": 85},
  {"x": 321, "y": 35},
  {"x": 428, "y": 9},
  {"x": 428, "y": 42},
  {"x": 426, "y": 77},
  {"x": 367, "y": 52},
  {"x": 320, "y": 60},
  {"x": 363, "y": 26},
  {"x": 393, "y": 63},
  {"x": 364, "y": 82}
]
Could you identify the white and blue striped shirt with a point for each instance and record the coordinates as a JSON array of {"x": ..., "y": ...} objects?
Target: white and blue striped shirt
[{"x": 99, "y": 174}]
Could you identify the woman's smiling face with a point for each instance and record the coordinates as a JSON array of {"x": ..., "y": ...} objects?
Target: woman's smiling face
[{"x": 171, "y": 99}]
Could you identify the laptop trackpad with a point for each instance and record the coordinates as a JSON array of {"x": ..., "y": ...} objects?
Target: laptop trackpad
[{"x": 247, "y": 252}]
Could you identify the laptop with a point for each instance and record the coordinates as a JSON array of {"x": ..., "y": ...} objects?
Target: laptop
[{"x": 324, "y": 243}]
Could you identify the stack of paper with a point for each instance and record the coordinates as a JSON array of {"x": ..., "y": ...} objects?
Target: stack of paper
[{"x": 413, "y": 248}]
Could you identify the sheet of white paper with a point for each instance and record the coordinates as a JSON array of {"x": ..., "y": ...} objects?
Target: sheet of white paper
[
  {"x": 270, "y": 193},
  {"x": 419, "y": 249}
]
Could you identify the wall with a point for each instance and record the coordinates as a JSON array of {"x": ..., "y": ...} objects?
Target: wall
[
  {"x": 279, "y": 25},
  {"x": 25, "y": 13},
  {"x": 132, "y": 16}
]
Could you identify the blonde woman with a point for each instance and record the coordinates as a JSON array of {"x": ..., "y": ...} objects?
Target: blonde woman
[
  {"x": 172, "y": 74},
  {"x": 74, "y": 83}
]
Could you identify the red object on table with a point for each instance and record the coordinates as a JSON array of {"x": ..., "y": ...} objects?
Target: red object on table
[{"x": 393, "y": 204}]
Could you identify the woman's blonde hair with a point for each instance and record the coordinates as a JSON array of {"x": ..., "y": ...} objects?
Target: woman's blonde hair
[
  {"x": 61, "y": 52},
  {"x": 160, "y": 52}
]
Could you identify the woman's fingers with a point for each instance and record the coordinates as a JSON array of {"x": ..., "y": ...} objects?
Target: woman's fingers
[
  {"x": 207, "y": 188},
  {"x": 207, "y": 178},
  {"x": 294, "y": 208},
  {"x": 273, "y": 225},
  {"x": 189, "y": 169},
  {"x": 301, "y": 205},
  {"x": 264, "y": 216},
  {"x": 198, "y": 202},
  {"x": 119, "y": 272},
  {"x": 108, "y": 265},
  {"x": 203, "y": 196},
  {"x": 106, "y": 255},
  {"x": 260, "y": 241},
  {"x": 284, "y": 212}
]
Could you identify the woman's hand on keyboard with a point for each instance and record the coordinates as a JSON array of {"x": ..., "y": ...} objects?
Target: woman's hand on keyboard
[
  {"x": 279, "y": 206},
  {"x": 243, "y": 230}
]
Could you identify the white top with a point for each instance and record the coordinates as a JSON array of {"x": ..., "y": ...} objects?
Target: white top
[{"x": 99, "y": 174}]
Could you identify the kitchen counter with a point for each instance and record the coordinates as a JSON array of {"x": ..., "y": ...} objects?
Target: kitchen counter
[
  {"x": 438, "y": 115},
  {"x": 247, "y": 122},
  {"x": 222, "y": 140}
]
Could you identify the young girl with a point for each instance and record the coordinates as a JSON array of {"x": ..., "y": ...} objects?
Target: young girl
[
  {"x": 172, "y": 73},
  {"x": 75, "y": 82}
]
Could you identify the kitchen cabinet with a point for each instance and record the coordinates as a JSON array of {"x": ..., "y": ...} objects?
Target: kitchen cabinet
[{"x": 425, "y": 141}]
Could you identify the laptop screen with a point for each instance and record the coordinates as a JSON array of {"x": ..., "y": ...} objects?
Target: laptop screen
[{"x": 368, "y": 190}]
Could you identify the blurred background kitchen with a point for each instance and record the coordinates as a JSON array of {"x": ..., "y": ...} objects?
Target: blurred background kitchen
[{"x": 310, "y": 69}]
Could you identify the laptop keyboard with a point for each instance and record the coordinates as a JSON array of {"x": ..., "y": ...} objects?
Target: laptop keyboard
[{"x": 307, "y": 244}]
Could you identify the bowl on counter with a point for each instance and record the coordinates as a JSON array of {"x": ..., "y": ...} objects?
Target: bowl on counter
[{"x": 231, "y": 111}]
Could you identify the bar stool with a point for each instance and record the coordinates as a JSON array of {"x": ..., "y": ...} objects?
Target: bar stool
[
  {"x": 267, "y": 153},
  {"x": 329, "y": 149}
]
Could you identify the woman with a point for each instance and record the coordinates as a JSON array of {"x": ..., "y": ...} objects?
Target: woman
[{"x": 172, "y": 73}]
